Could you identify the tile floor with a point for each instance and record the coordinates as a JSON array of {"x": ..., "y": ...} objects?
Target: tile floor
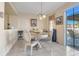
[{"x": 48, "y": 49}]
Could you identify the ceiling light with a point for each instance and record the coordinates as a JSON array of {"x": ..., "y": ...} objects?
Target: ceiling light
[
  {"x": 44, "y": 16},
  {"x": 41, "y": 15},
  {"x": 40, "y": 18}
]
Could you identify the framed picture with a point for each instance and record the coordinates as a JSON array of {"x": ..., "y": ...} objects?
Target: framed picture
[
  {"x": 59, "y": 20},
  {"x": 33, "y": 22}
]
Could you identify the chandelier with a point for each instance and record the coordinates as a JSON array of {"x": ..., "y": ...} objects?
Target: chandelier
[{"x": 41, "y": 15}]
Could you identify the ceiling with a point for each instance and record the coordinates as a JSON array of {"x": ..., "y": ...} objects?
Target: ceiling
[{"x": 35, "y": 7}]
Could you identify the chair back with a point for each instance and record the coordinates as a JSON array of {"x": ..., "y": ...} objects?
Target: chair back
[{"x": 27, "y": 36}]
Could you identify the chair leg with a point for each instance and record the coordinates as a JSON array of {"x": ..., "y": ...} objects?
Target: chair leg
[
  {"x": 39, "y": 44},
  {"x": 31, "y": 50},
  {"x": 25, "y": 48},
  {"x": 27, "y": 51}
]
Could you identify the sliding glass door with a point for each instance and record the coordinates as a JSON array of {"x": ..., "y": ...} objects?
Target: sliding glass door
[
  {"x": 69, "y": 27},
  {"x": 72, "y": 27},
  {"x": 76, "y": 26}
]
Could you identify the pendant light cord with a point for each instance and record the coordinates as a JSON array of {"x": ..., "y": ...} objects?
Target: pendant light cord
[{"x": 41, "y": 8}]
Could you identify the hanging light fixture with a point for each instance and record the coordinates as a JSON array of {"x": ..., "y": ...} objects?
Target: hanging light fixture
[
  {"x": 44, "y": 16},
  {"x": 41, "y": 15}
]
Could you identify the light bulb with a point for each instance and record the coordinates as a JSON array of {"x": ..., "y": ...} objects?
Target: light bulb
[
  {"x": 40, "y": 18},
  {"x": 44, "y": 16}
]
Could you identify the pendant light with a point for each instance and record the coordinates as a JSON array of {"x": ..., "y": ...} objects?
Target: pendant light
[{"x": 41, "y": 15}]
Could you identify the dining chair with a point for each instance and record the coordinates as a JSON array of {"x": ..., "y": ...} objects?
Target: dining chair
[{"x": 29, "y": 43}]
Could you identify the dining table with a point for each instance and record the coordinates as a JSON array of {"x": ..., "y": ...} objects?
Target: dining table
[{"x": 34, "y": 35}]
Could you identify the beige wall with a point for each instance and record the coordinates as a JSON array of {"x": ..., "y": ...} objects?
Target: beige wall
[
  {"x": 24, "y": 22},
  {"x": 2, "y": 35},
  {"x": 60, "y": 28},
  {"x": 7, "y": 37},
  {"x": 2, "y": 19},
  {"x": 6, "y": 21}
]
